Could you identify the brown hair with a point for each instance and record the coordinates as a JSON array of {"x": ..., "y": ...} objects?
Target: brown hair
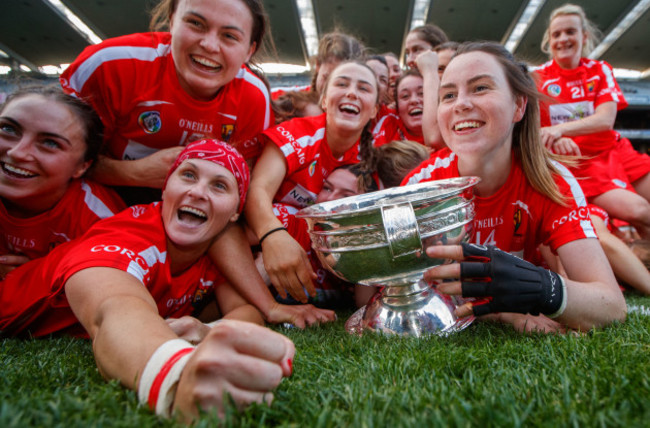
[
  {"x": 90, "y": 120},
  {"x": 451, "y": 46},
  {"x": 397, "y": 158},
  {"x": 337, "y": 46},
  {"x": 432, "y": 34},
  {"x": 161, "y": 16},
  {"x": 365, "y": 180},
  {"x": 537, "y": 162},
  {"x": 588, "y": 27},
  {"x": 291, "y": 104}
]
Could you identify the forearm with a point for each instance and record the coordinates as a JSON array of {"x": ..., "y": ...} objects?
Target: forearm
[
  {"x": 430, "y": 129},
  {"x": 602, "y": 120},
  {"x": 594, "y": 304},
  {"x": 113, "y": 172},
  {"x": 234, "y": 259},
  {"x": 122, "y": 351},
  {"x": 259, "y": 212},
  {"x": 246, "y": 313}
]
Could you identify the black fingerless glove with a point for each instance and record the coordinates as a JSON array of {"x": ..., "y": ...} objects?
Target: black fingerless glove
[{"x": 510, "y": 283}]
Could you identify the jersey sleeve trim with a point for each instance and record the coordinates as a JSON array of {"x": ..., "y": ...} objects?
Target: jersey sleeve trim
[{"x": 86, "y": 69}]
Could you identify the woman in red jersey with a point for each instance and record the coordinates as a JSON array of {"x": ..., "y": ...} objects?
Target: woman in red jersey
[
  {"x": 118, "y": 282},
  {"x": 298, "y": 156},
  {"x": 581, "y": 101},
  {"x": 48, "y": 140},
  {"x": 158, "y": 91},
  {"x": 488, "y": 116}
]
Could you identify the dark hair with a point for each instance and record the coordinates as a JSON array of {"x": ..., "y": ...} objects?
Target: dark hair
[
  {"x": 452, "y": 46},
  {"x": 432, "y": 34},
  {"x": 536, "y": 161},
  {"x": 379, "y": 58},
  {"x": 365, "y": 180},
  {"x": 92, "y": 124},
  {"x": 161, "y": 16}
]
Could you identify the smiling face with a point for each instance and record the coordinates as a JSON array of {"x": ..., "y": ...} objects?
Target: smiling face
[
  {"x": 341, "y": 183},
  {"x": 477, "y": 109},
  {"x": 42, "y": 147},
  {"x": 211, "y": 39},
  {"x": 410, "y": 95},
  {"x": 566, "y": 40},
  {"x": 199, "y": 200},
  {"x": 350, "y": 98},
  {"x": 414, "y": 46}
]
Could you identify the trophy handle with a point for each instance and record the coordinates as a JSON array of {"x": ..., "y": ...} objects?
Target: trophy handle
[{"x": 401, "y": 228}]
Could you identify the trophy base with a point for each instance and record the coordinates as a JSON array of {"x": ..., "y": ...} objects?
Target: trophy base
[{"x": 425, "y": 313}]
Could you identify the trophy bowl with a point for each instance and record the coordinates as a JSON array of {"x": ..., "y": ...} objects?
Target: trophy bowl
[{"x": 378, "y": 239}]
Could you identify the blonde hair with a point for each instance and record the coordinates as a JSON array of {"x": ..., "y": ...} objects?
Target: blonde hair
[
  {"x": 588, "y": 27},
  {"x": 397, "y": 158}
]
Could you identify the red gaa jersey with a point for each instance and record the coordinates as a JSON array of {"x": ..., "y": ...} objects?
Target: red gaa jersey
[
  {"x": 131, "y": 81},
  {"x": 391, "y": 128},
  {"x": 309, "y": 158},
  {"x": 32, "y": 296},
  {"x": 575, "y": 94},
  {"x": 517, "y": 218},
  {"x": 82, "y": 205}
]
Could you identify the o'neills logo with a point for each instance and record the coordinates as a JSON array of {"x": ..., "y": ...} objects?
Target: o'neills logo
[{"x": 150, "y": 121}]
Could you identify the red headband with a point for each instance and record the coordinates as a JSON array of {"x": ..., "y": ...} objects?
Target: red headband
[{"x": 222, "y": 154}]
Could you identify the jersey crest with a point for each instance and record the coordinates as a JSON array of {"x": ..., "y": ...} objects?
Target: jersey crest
[{"x": 150, "y": 121}]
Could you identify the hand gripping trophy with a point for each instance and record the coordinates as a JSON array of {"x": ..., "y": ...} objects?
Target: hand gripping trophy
[{"x": 378, "y": 239}]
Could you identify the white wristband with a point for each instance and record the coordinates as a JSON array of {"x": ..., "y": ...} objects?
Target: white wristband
[
  {"x": 563, "y": 304},
  {"x": 157, "y": 386}
]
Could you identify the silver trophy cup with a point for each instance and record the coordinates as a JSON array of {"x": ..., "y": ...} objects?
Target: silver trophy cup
[{"x": 379, "y": 239}]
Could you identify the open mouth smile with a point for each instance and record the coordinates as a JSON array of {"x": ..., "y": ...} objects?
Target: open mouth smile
[
  {"x": 191, "y": 216},
  {"x": 14, "y": 171}
]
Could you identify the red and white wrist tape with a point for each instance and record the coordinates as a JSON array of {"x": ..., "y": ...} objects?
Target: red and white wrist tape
[{"x": 157, "y": 387}]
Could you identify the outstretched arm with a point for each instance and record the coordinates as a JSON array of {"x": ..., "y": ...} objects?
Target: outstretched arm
[
  {"x": 588, "y": 298},
  {"x": 133, "y": 344}
]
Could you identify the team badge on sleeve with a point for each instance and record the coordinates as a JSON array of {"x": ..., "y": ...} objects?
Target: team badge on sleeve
[
  {"x": 150, "y": 121},
  {"x": 554, "y": 90}
]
